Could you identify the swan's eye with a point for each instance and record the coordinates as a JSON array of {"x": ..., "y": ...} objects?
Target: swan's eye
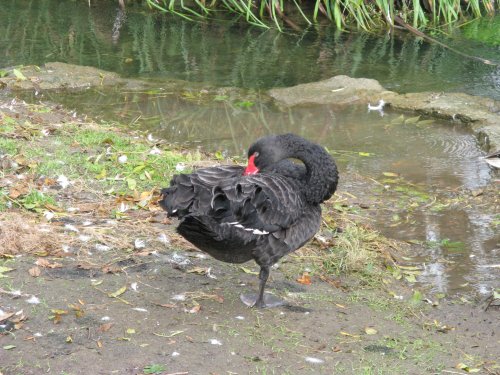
[{"x": 256, "y": 154}]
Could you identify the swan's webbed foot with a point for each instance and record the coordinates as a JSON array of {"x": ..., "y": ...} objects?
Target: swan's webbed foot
[
  {"x": 267, "y": 301},
  {"x": 262, "y": 299}
]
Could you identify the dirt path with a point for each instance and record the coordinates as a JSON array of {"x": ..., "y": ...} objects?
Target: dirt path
[{"x": 100, "y": 284}]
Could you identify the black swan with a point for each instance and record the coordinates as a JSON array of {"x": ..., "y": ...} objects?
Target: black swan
[{"x": 263, "y": 212}]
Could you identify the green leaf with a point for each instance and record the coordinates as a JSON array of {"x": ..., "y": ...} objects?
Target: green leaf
[
  {"x": 20, "y": 76},
  {"x": 119, "y": 292},
  {"x": 131, "y": 183},
  {"x": 417, "y": 297},
  {"x": 249, "y": 271},
  {"x": 154, "y": 369},
  {"x": 411, "y": 278},
  {"x": 139, "y": 168},
  {"x": 425, "y": 122},
  {"x": 412, "y": 120},
  {"x": 398, "y": 121},
  {"x": 245, "y": 104},
  {"x": 452, "y": 245},
  {"x": 5, "y": 269},
  {"x": 364, "y": 154},
  {"x": 390, "y": 174}
]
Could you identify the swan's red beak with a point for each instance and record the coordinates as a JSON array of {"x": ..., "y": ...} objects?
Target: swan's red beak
[{"x": 251, "y": 167}]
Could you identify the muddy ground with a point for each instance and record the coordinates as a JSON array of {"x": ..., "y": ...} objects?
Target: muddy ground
[{"x": 93, "y": 292}]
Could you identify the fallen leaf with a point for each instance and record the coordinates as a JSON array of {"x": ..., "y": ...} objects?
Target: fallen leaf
[
  {"x": 105, "y": 327},
  {"x": 466, "y": 368},
  {"x": 390, "y": 174},
  {"x": 119, "y": 292},
  {"x": 57, "y": 315},
  {"x": 77, "y": 309},
  {"x": 195, "y": 309},
  {"x": 370, "y": 331},
  {"x": 20, "y": 76},
  {"x": 411, "y": 278},
  {"x": 44, "y": 263},
  {"x": 198, "y": 270},
  {"x": 167, "y": 305},
  {"x": 249, "y": 271},
  {"x": 131, "y": 183},
  {"x": 412, "y": 120},
  {"x": 305, "y": 279},
  {"x": 112, "y": 269},
  {"x": 3, "y": 270},
  {"x": 34, "y": 271}
]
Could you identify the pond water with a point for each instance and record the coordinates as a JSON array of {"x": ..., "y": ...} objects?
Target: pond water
[
  {"x": 144, "y": 44},
  {"x": 419, "y": 164}
]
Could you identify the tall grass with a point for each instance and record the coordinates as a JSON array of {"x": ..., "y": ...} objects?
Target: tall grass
[{"x": 364, "y": 14}]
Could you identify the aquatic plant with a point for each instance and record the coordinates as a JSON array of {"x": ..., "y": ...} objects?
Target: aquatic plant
[{"x": 364, "y": 14}]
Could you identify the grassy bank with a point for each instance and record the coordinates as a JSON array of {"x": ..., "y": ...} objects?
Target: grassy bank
[
  {"x": 54, "y": 163},
  {"x": 95, "y": 280}
]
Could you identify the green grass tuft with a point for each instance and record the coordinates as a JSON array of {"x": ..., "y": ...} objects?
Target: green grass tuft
[{"x": 354, "y": 250}]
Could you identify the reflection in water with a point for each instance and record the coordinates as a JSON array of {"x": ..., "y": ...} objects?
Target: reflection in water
[
  {"x": 233, "y": 54},
  {"x": 432, "y": 160}
]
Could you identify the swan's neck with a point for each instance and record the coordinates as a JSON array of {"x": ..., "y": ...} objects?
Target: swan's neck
[{"x": 321, "y": 176}]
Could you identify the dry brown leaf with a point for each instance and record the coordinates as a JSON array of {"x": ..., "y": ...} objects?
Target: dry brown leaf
[
  {"x": 46, "y": 181},
  {"x": 195, "y": 309},
  {"x": 52, "y": 207},
  {"x": 167, "y": 305},
  {"x": 58, "y": 315},
  {"x": 111, "y": 269},
  {"x": 18, "y": 190},
  {"x": 199, "y": 270},
  {"x": 44, "y": 263},
  {"x": 105, "y": 327},
  {"x": 34, "y": 271},
  {"x": 305, "y": 279}
]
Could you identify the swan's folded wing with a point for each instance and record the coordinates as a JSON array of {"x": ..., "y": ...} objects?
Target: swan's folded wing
[
  {"x": 193, "y": 193},
  {"x": 265, "y": 202}
]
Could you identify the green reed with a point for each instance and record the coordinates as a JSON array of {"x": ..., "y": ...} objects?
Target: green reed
[{"x": 364, "y": 14}]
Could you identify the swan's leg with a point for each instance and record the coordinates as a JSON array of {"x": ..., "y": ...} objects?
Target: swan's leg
[
  {"x": 263, "y": 275},
  {"x": 262, "y": 299}
]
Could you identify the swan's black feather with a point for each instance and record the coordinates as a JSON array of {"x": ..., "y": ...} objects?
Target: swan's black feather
[{"x": 264, "y": 216}]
